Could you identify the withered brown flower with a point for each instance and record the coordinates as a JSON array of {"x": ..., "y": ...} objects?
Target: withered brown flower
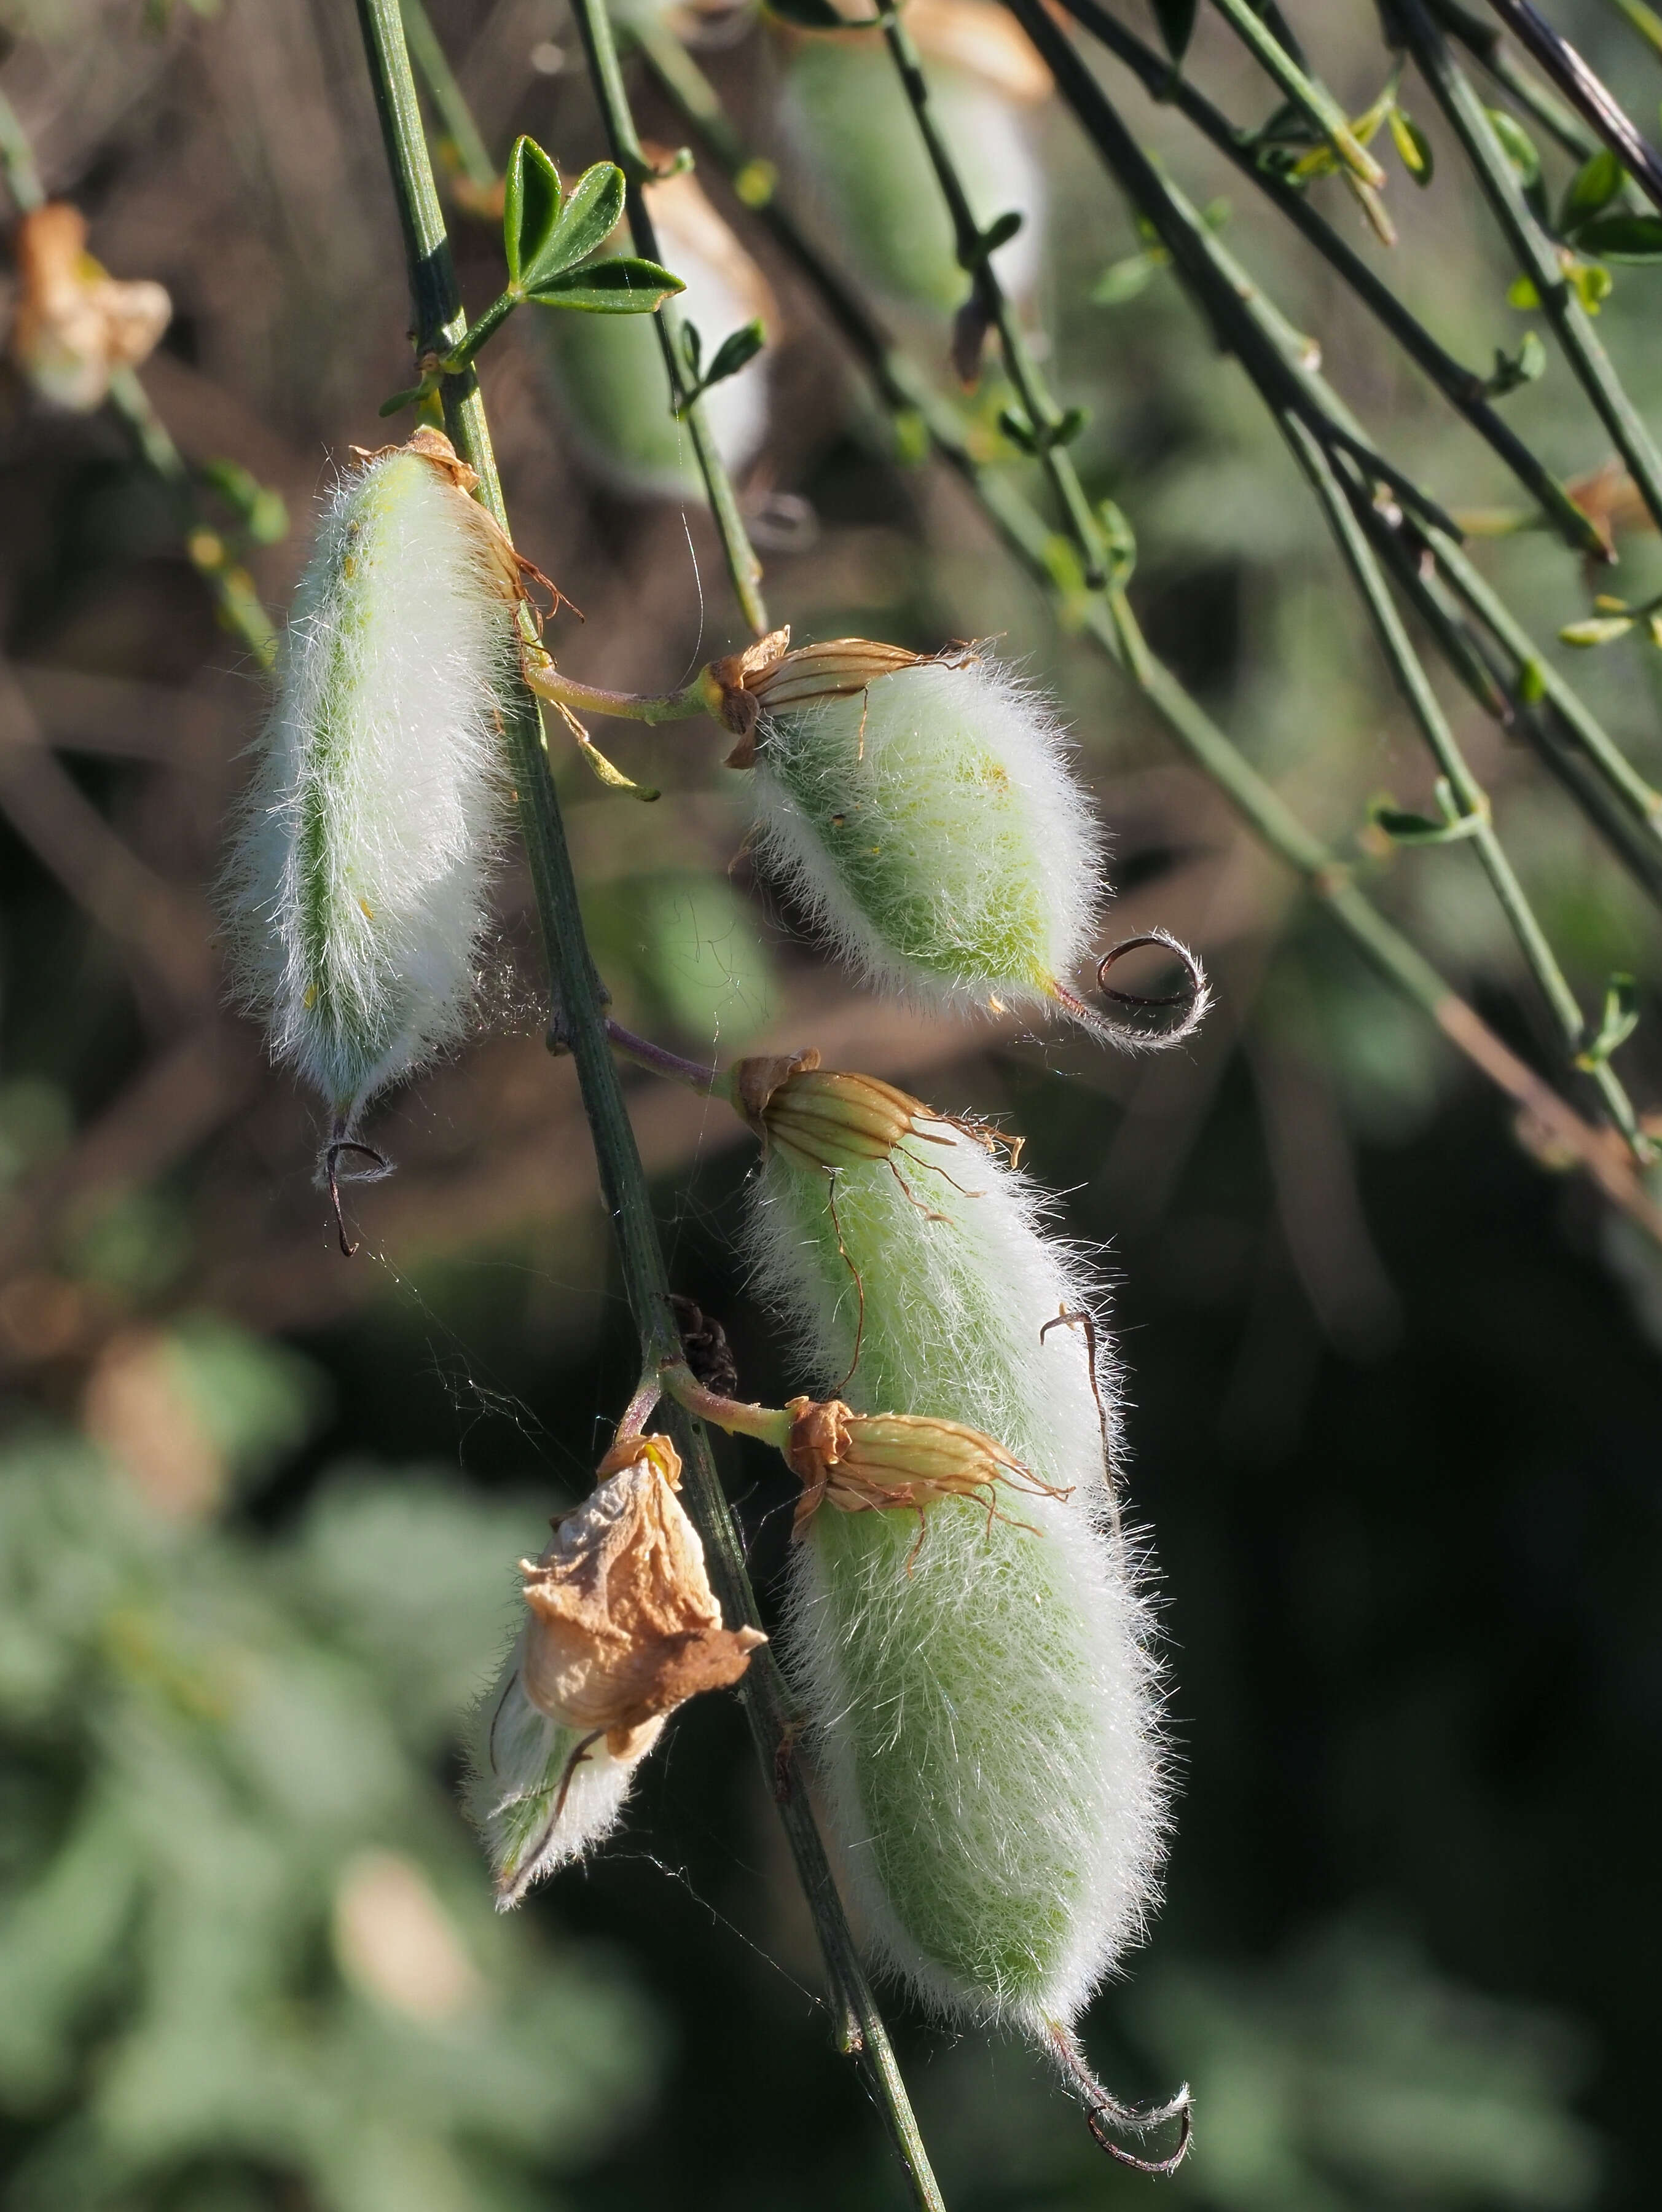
[
  {"x": 824, "y": 1115},
  {"x": 76, "y": 324},
  {"x": 768, "y": 678},
  {"x": 865, "y": 1462},
  {"x": 624, "y": 1625}
]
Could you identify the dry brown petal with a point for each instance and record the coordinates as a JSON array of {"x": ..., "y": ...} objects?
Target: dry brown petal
[
  {"x": 624, "y": 1625},
  {"x": 76, "y": 324}
]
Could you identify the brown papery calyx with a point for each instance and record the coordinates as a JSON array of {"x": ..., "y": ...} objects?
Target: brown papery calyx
[
  {"x": 868, "y": 1462},
  {"x": 768, "y": 678},
  {"x": 624, "y": 1625},
  {"x": 828, "y": 1117}
]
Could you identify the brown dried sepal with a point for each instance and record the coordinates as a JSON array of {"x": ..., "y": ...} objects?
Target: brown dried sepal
[
  {"x": 827, "y": 1117},
  {"x": 732, "y": 682},
  {"x": 870, "y": 1462},
  {"x": 624, "y": 1626},
  {"x": 511, "y": 572},
  {"x": 76, "y": 324}
]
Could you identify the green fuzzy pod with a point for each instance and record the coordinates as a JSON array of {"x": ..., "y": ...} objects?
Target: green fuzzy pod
[{"x": 985, "y": 1715}]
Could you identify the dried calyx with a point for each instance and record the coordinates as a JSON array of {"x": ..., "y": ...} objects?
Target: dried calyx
[
  {"x": 869, "y": 1462},
  {"x": 768, "y": 678},
  {"x": 833, "y": 1118},
  {"x": 624, "y": 1626}
]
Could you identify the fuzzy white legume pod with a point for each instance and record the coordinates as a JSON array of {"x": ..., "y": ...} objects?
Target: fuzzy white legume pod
[
  {"x": 356, "y": 891},
  {"x": 984, "y": 1701}
]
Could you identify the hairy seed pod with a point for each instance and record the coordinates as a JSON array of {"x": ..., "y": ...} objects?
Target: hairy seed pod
[
  {"x": 621, "y": 1627},
  {"x": 607, "y": 371},
  {"x": 924, "y": 813},
  {"x": 356, "y": 891},
  {"x": 982, "y": 1692},
  {"x": 848, "y": 114}
]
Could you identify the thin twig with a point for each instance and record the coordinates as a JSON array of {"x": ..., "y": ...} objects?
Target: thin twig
[
  {"x": 1537, "y": 254},
  {"x": 594, "y": 25},
  {"x": 581, "y": 1025},
  {"x": 1587, "y": 93},
  {"x": 1108, "y": 619},
  {"x": 1463, "y": 387}
]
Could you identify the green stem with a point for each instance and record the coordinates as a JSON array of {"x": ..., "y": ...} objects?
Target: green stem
[
  {"x": 581, "y": 1025},
  {"x": 17, "y": 161},
  {"x": 1268, "y": 351},
  {"x": 1463, "y": 387},
  {"x": 768, "y": 1425},
  {"x": 1107, "y": 617},
  {"x": 1536, "y": 255},
  {"x": 1313, "y": 98},
  {"x": 1042, "y": 412},
  {"x": 546, "y": 680},
  {"x": 467, "y": 349},
  {"x": 1482, "y": 41},
  {"x": 595, "y": 26},
  {"x": 449, "y": 101}
]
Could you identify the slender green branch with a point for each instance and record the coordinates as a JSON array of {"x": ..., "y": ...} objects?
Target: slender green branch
[
  {"x": 580, "y": 1025},
  {"x": 1047, "y": 425},
  {"x": 230, "y": 585},
  {"x": 1310, "y": 97},
  {"x": 595, "y": 26},
  {"x": 1536, "y": 255},
  {"x": 17, "y": 161},
  {"x": 462, "y": 138},
  {"x": 1482, "y": 41},
  {"x": 1266, "y": 351},
  {"x": 1463, "y": 388},
  {"x": 1591, "y": 99},
  {"x": 1106, "y": 618}
]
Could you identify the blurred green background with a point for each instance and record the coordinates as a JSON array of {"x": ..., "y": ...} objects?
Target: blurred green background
[{"x": 1396, "y": 1392}]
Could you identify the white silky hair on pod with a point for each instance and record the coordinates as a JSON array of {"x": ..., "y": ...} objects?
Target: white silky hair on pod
[
  {"x": 935, "y": 832},
  {"x": 986, "y": 1723},
  {"x": 356, "y": 888},
  {"x": 518, "y": 1761}
]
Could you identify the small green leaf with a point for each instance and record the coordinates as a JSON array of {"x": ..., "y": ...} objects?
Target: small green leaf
[
  {"x": 591, "y": 214},
  {"x": 1591, "y": 189},
  {"x": 1518, "y": 147},
  {"x": 1596, "y": 629},
  {"x": 736, "y": 350},
  {"x": 1176, "y": 18},
  {"x": 1124, "y": 280},
  {"x": 1521, "y": 293},
  {"x": 1074, "y": 420},
  {"x": 1017, "y": 428},
  {"x": 1592, "y": 283},
  {"x": 808, "y": 14},
  {"x": 1413, "y": 147},
  {"x": 1405, "y": 828},
  {"x": 1617, "y": 1024},
  {"x": 1532, "y": 683},
  {"x": 1119, "y": 541},
  {"x": 622, "y": 285},
  {"x": 1512, "y": 370},
  {"x": 691, "y": 348},
  {"x": 1619, "y": 238},
  {"x": 998, "y": 232},
  {"x": 532, "y": 201}
]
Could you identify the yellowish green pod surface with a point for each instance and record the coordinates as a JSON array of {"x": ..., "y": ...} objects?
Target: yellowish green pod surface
[{"x": 982, "y": 1692}]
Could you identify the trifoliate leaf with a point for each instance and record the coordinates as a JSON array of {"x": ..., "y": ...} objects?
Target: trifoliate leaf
[{"x": 622, "y": 285}]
